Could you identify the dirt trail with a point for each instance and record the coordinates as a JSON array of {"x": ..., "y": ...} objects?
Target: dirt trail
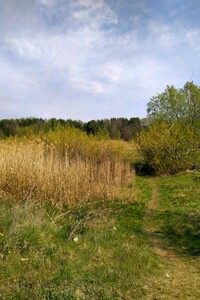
[{"x": 182, "y": 277}]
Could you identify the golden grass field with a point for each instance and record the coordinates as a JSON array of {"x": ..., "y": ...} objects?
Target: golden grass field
[{"x": 65, "y": 166}]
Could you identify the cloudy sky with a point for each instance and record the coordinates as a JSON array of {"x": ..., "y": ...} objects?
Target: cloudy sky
[{"x": 94, "y": 59}]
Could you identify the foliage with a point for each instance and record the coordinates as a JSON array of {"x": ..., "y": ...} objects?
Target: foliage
[
  {"x": 115, "y": 128},
  {"x": 171, "y": 142},
  {"x": 8, "y": 128},
  {"x": 165, "y": 147},
  {"x": 176, "y": 104}
]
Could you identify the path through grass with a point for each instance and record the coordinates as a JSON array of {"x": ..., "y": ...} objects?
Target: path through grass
[
  {"x": 172, "y": 227},
  {"x": 147, "y": 248}
]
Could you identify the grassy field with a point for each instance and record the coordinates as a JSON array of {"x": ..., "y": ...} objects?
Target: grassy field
[
  {"x": 94, "y": 251},
  {"x": 143, "y": 248},
  {"x": 173, "y": 231},
  {"x": 64, "y": 166}
]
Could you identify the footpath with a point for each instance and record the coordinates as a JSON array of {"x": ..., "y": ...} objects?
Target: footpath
[{"x": 182, "y": 277}]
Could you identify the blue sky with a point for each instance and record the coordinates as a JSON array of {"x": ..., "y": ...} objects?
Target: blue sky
[{"x": 94, "y": 59}]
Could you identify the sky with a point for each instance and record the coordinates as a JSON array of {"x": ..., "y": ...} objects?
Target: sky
[{"x": 94, "y": 59}]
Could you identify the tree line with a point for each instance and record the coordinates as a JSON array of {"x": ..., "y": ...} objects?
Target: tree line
[{"x": 114, "y": 128}]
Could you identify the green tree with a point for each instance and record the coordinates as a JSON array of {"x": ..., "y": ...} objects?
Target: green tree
[
  {"x": 8, "y": 128},
  {"x": 172, "y": 140},
  {"x": 176, "y": 104}
]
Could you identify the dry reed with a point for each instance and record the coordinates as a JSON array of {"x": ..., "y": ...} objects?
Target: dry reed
[{"x": 69, "y": 172}]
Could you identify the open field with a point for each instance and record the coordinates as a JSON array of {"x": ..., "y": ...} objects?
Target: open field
[
  {"x": 64, "y": 167},
  {"x": 146, "y": 248}
]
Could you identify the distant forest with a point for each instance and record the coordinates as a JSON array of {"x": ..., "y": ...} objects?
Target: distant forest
[{"x": 114, "y": 128}]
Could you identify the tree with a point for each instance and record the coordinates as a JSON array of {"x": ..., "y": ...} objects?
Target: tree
[
  {"x": 176, "y": 104},
  {"x": 8, "y": 128},
  {"x": 172, "y": 140},
  {"x": 91, "y": 127},
  {"x": 192, "y": 101}
]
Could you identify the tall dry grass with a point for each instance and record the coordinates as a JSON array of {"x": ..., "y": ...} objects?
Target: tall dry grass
[{"x": 64, "y": 166}]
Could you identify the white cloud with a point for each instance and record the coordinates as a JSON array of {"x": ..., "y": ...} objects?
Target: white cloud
[
  {"x": 192, "y": 37},
  {"x": 49, "y": 3},
  {"x": 79, "y": 55},
  {"x": 92, "y": 86},
  {"x": 111, "y": 71},
  {"x": 25, "y": 48},
  {"x": 90, "y": 4},
  {"x": 94, "y": 12},
  {"x": 164, "y": 36}
]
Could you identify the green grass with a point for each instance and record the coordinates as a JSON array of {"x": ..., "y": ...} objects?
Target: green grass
[
  {"x": 180, "y": 192},
  {"x": 41, "y": 260},
  {"x": 179, "y": 215},
  {"x": 101, "y": 250},
  {"x": 145, "y": 190}
]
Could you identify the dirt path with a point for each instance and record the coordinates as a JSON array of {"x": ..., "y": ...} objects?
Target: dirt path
[
  {"x": 151, "y": 228},
  {"x": 181, "y": 280}
]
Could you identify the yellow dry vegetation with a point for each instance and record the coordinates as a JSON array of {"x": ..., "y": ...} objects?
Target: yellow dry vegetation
[{"x": 64, "y": 166}]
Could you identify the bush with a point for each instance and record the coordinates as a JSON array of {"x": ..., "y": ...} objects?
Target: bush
[{"x": 167, "y": 148}]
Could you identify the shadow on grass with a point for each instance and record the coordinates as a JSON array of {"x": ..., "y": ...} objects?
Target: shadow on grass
[{"x": 181, "y": 231}]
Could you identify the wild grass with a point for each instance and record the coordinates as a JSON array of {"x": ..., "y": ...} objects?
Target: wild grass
[
  {"x": 172, "y": 229},
  {"x": 64, "y": 166},
  {"x": 101, "y": 249},
  {"x": 180, "y": 215},
  {"x": 92, "y": 251}
]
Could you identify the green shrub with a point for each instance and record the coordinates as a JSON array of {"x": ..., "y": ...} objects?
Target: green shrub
[{"x": 168, "y": 148}]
